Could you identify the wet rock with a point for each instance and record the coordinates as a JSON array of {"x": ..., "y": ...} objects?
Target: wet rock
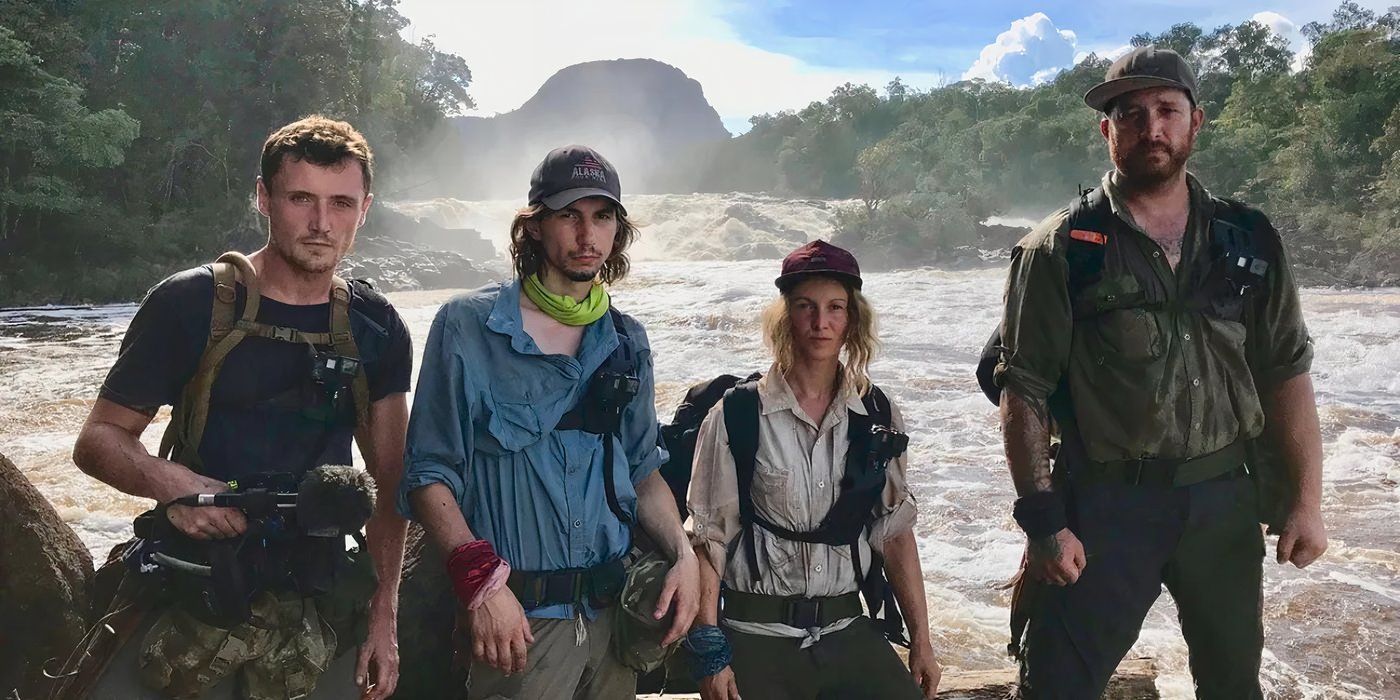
[
  {"x": 397, "y": 265},
  {"x": 46, "y": 575},
  {"x": 426, "y": 616},
  {"x": 1135, "y": 679},
  {"x": 385, "y": 223}
]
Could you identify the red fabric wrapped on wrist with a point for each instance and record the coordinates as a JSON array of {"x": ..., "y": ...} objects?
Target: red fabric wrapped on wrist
[{"x": 476, "y": 572}]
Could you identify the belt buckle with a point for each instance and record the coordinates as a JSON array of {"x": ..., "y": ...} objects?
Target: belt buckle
[
  {"x": 558, "y": 588},
  {"x": 804, "y": 613}
]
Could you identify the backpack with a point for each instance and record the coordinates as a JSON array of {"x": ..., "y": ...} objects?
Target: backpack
[
  {"x": 1091, "y": 221},
  {"x": 1241, "y": 260},
  {"x": 861, "y": 485},
  {"x": 183, "y": 435}
]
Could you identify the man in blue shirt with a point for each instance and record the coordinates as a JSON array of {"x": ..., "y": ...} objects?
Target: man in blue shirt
[{"x": 532, "y": 448}]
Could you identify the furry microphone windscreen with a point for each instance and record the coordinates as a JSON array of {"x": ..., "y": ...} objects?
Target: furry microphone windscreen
[{"x": 334, "y": 500}]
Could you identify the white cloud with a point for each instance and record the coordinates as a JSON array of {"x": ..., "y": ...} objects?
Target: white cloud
[
  {"x": 1289, "y": 30},
  {"x": 1031, "y": 52},
  {"x": 513, "y": 46}
]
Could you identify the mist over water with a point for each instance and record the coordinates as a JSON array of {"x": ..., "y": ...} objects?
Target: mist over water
[{"x": 1332, "y": 631}]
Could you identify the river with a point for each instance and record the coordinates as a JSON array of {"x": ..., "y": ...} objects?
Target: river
[{"x": 1332, "y": 631}]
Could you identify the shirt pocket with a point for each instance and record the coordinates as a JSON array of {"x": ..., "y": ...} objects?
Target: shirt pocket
[
  {"x": 1122, "y": 326},
  {"x": 511, "y": 427}
]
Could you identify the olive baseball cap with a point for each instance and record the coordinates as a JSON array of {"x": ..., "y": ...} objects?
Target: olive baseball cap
[
  {"x": 1143, "y": 67},
  {"x": 571, "y": 173}
]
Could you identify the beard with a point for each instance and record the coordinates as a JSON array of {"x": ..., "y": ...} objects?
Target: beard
[
  {"x": 573, "y": 271},
  {"x": 581, "y": 275},
  {"x": 307, "y": 259},
  {"x": 1141, "y": 170}
]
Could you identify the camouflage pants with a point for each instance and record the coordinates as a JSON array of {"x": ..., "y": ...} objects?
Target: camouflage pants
[{"x": 284, "y": 652}]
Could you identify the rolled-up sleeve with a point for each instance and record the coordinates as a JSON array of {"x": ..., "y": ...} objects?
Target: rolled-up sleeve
[
  {"x": 640, "y": 431},
  {"x": 439, "y": 444},
  {"x": 1037, "y": 322},
  {"x": 1279, "y": 347},
  {"x": 713, "y": 499},
  {"x": 898, "y": 509}
]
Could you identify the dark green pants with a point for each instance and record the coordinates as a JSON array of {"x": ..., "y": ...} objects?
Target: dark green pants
[
  {"x": 855, "y": 663},
  {"x": 1202, "y": 541}
]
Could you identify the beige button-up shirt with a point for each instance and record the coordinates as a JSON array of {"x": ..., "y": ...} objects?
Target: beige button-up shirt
[{"x": 797, "y": 478}]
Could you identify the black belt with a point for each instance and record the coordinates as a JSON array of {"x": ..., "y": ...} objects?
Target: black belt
[
  {"x": 598, "y": 586},
  {"x": 1164, "y": 472},
  {"x": 804, "y": 613}
]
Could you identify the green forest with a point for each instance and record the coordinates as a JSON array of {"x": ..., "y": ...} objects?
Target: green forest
[
  {"x": 1316, "y": 149},
  {"x": 129, "y": 136},
  {"x": 130, "y": 130}
]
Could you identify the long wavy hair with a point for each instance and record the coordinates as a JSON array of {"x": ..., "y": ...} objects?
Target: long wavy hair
[
  {"x": 527, "y": 254},
  {"x": 858, "y": 348}
]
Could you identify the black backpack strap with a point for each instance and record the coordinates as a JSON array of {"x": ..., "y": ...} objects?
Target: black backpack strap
[
  {"x": 1091, "y": 213},
  {"x": 1091, "y": 223},
  {"x": 741, "y": 415},
  {"x": 877, "y": 406},
  {"x": 590, "y": 415}
]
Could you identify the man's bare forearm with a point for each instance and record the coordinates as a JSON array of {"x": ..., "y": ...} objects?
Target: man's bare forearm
[
  {"x": 1293, "y": 428},
  {"x": 437, "y": 511},
  {"x": 109, "y": 449},
  {"x": 656, "y": 511},
  {"x": 1025, "y": 431},
  {"x": 386, "y": 529}
]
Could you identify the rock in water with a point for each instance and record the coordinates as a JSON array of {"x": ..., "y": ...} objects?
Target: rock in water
[
  {"x": 427, "y": 610},
  {"x": 46, "y": 575}
]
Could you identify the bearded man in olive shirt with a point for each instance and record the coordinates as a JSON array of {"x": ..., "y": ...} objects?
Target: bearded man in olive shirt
[{"x": 1157, "y": 330}]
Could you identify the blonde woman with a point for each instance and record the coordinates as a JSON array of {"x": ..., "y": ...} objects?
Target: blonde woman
[{"x": 798, "y": 492}]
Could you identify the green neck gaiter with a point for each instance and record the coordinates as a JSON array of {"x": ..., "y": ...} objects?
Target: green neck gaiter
[{"x": 567, "y": 310}]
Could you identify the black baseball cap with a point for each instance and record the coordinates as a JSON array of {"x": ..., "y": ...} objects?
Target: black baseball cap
[
  {"x": 818, "y": 258},
  {"x": 571, "y": 173},
  {"x": 1143, "y": 67}
]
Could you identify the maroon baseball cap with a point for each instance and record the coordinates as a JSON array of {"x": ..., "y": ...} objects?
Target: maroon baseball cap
[{"x": 819, "y": 258}]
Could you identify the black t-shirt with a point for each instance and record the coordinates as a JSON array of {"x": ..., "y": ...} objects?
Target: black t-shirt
[{"x": 259, "y": 420}]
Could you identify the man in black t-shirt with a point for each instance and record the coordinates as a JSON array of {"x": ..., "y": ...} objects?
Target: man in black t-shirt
[{"x": 266, "y": 411}]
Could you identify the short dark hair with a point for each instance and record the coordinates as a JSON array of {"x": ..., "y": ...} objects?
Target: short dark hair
[
  {"x": 317, "y": 140},
  {"x": 527, "y": 254}
]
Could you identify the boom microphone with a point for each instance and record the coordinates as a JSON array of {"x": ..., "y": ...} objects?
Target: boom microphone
[{"x": 334, "y": 500}]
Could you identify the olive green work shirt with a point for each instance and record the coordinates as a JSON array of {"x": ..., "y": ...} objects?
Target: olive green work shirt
[{"x": 1149, "y": 379}]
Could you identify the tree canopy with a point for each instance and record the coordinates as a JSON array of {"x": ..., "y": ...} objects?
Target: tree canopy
[{"x": 130, "y": 130}]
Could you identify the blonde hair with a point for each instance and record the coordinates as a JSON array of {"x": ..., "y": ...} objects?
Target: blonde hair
[
  {"x": 527, "y": 254},
  {"x": 858, "y": 347}
]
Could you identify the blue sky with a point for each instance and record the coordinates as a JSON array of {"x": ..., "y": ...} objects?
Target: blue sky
[
  {"x": 907, "y": 35},
  {"x": 759, "y": 56}
]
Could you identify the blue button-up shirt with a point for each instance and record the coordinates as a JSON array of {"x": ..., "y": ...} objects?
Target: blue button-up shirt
[{"x": 483, "y": 424}]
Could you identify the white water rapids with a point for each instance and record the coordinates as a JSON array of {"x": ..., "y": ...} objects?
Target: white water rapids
[{"x": 1332, "y": 630}]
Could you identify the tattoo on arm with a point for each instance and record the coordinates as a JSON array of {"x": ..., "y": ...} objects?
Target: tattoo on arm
[
  {"x": 1025, "y": 425},
  {"x": 1045, "y": 548}
]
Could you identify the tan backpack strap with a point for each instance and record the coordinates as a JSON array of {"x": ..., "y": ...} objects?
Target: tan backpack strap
[
  {"x": 282, "y": 333},
  {"x": 224, "y": 335},
  {"x": 344, "y": 343}
]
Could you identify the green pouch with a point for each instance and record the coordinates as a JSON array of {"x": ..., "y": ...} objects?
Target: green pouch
[
  {"x": 303, "y": 646},
  {"x": 636, "y": 638},
  {"x": 183, "y": 657},
  {"x": 346, "y": 606}
]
